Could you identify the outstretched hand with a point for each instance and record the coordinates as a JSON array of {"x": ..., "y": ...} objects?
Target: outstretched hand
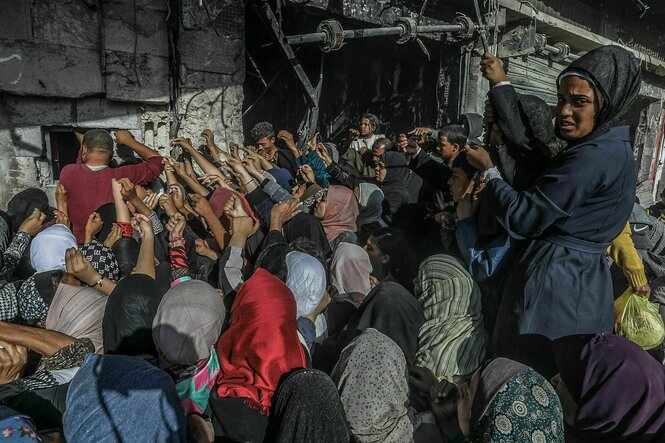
[
  {"x": 80, "y": 267},
  {"x": 33, "y": 224}
]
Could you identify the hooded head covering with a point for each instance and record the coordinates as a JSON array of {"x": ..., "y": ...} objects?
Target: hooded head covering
[
  {"x": 119, "y": 398},
  {"x": 282, "y": 176},
  {"x": 618, "y": 387},
  {"x": 102, "y": 259},
  {"x": 515, "y": 403},
  {"x": 451, "y": 342},
  {"x": 188, "y": 323},
  {"x": 78, "y": 311},
  {"x": 218, "y": 200},
  {"x": 47, "y": 250},
  {"x": 21, "y": 205},
  {"x": 350, "y": 270},
  {"x": 396, "y": 183},
  {"x": 309, "y": 227},
  {"x": 615, "y": 73},
  {"x": 372, "y": 381},
  {"x": 370, "y": 203},
  {"x": 307, "y": 280},
  {"x": 108, "y": 215},
  {"x": 126, "y": 252},
  {"x": 307, "y": 408},
  {"x": 261, "y": 344},
  {"x": 129, "y": 315},
  {"x": 392, "y": 310},
  {"x": 341, "y": 212}
]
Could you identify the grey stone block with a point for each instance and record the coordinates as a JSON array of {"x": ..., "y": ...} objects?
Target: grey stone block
[
  {"x": 102, "y": 113},
  {"x": 49, "y": 70},
  {"x": 66, "y": 22},
  {"x": 122, "y": 84},
  {"x": 15, "y": 23},
  {"x": 126, "y": 27}
]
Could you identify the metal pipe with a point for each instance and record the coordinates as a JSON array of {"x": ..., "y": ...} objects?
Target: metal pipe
[{"x": 317, "y": 37}]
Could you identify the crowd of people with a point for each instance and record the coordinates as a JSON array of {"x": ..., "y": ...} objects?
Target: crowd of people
[{"x": 442, "y": 285}]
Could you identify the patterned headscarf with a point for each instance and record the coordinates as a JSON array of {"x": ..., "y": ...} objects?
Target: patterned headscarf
[
  {"x": 452, "y": 341},
  {"x": 515, "y": 403},
  {"x": 372, "y": 381},
  {"x": 102, "y": 259}
]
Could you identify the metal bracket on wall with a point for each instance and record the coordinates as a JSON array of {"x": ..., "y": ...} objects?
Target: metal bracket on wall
[
  {"x": 269, "y": 15},
  {"x": 309, "y": 122},
  {"x": 519, "y": 41}
]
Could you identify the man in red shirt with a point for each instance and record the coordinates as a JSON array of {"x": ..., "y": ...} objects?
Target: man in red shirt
[{"x": 88, "y": 182}]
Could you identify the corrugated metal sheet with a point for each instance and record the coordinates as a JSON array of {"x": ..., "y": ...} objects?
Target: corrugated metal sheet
[{"x": 535, "y": 75}]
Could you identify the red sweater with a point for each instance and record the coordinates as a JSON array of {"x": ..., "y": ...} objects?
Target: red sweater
[{"x": 88, "y": 190}]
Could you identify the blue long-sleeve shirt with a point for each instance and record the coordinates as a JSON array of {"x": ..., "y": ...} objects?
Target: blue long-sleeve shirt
[{"x": 320, "y": 174}]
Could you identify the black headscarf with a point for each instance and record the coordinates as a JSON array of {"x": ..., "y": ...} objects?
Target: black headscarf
[
  {"x": 615, "y": 73},
  {"x": 309, "y": 227},
  {"x": 130, "y": 310},
  {"x": 126, "y": 251},
  {"x": 395, "y": 185},
  {"x": 108, "y": 215},
  {"x": 390, "y": 309},
  {"x": 22, "y": 204},
  {"x": 307, "y": 408}
]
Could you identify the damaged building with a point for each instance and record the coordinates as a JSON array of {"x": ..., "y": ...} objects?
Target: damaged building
[{"x": 166, "y": 68}]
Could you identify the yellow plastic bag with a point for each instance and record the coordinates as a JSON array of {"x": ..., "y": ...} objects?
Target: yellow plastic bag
[{"x": 638, "y": 320}]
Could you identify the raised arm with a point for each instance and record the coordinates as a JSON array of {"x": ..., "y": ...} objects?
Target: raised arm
[
  {"x": 205, "y": 165},
  {"x": 124, "y": 137}
]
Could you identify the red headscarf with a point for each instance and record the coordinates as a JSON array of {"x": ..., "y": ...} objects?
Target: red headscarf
[
  {"x": 219, "y": 198},
  {"x": 261, "y": 344},
  {"x": 341, "y": 212}
]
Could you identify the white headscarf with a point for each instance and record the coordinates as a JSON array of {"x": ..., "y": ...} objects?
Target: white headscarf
[
  {"x": 47, "y": 250},
  {"x": 307, "y": 280}
]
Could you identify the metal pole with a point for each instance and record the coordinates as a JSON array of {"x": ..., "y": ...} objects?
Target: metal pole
[{"x": 317, "y": 37}]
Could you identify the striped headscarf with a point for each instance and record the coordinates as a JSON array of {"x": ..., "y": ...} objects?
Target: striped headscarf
[{"x": 452, "y": 340}]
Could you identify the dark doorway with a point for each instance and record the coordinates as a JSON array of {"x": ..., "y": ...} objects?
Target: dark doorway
[{"x": 62, "y": 148}]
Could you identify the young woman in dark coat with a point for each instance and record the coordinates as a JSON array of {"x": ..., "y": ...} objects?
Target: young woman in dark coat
[{"x": 576, "y": 207}]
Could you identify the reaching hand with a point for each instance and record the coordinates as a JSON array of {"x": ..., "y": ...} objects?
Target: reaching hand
[
  {"x": 143, "y": 224},
  {"x": 443, "y": 400},
  {"x": 209, "y": 137},
  {"x": 176, "y": 225},
  {"x": 61, "y": 196},
  {"x": 492, "y": 69},
  {"x": 123, "y": 137},
  {"x": 151, "y": 200},
  {"x": 202, "y": 207},
  {"x": 12, "y": 360},
  {"x": 421, "y": 131},
  {"x": 167, "y": 204},
  {"x": 178, "y": 198},
  {"x": 353, "y": 134},
  {"x": 33, "y": 224},
  {"x": 236, "y": 166},
  {"x": 212, "y": 180},
  {"x": 322, "y": 152},
  {"x": 406, "y": 146},
  {"x": 114, "y": 236},
  {"x": 478, "y": 157},
  {"x": 244, "y": 226},
  {"x": 644, "y": 290},
  {"x": 93, "y": 225},
  {"x": 204, "y": 250},
  {"x": 422, "y": 379},
  {"x": 283, "y": 212},
  {"x": 183, "y": 142},
  {"x": 287, "y": 137},
  {"x": 80, "y": 267},
  {"x": 234, "y": 208},
  {"x": 128, "y": 190},
  {"x": 307, "y": 173}
]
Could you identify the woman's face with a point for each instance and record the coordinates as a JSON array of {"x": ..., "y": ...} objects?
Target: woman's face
[
  {"x": 320, "y": 209},
  {"x": 467, "y": 393},
  {"x": 575, "y": 113},
  {"x": 459, "y": 184},
  {"x": 377, "y": 258}
]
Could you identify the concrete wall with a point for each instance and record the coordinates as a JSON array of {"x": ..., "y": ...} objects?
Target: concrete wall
[{"x": 160, "y": 69}]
